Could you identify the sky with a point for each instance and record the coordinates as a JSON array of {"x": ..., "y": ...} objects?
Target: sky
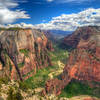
[{"x": 64, "y": 15}]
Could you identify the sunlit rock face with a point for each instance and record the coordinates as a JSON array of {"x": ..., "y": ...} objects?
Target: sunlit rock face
[
  {"x": 23, "y": 52},
  {"x": 84, "y": 61}
]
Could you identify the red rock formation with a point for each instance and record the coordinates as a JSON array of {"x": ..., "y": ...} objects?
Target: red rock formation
[
  {"x": 84, "y": 61},
  {"x": 73, "y": 39},
  {"x": 23, "y": 52}
]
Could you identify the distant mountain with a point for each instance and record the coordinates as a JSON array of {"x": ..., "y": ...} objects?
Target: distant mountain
[
  {"x": 56, "y": 36},
  {"x": 59, "y": 33}
]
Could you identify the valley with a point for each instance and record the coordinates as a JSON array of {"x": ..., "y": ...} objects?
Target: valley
[
  {"x": 49, "y": 49},
  {"x": 57, "y": 57},
  {"x": 45, "y": 70}
]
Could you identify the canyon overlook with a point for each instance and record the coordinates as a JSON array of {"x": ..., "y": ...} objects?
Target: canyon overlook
[
  {"x": 83, "y": 63},
  {"x": 34, "y": 63},
  {"x": 23, "y": 52},
  {"x": 49, "y": 49}
]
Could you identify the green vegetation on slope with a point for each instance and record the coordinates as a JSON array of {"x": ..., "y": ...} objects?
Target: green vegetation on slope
[
  {"x": 23, "y": 86},
  {"x": 25, "y": 52},
  {"x": 4, "y": 80},
  {"x": 12, "y": 95},
  {"x": 59, "y": 54},
  {"x": 39, "y": 79},
  {"x": 21, "y": 64},
  {"x": 76, "y": 88}
]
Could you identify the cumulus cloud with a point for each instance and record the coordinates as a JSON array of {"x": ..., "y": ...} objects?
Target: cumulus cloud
[
  {"x": 9, "y": 16},
  {"x": 69, "y": 22},
  {"x": 66, "y": 22},
  {"x": 20, "y": 25}
]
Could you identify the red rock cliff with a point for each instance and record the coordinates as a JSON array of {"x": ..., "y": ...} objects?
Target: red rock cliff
[{"x": 23, "y": 52}]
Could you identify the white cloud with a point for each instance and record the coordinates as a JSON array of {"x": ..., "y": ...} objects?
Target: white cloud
[
  {"x": 69, "y": 22},
  {"x": 8, "y": 3},
  {"x": 70, "y": 1},
  {"x": 75, "y": 1},
  {"x": 21, "y": 25},
  {"x": 50, "y": 0},
  {"x": 9, "y": 16},
  {"x": 66, "y": 22}
]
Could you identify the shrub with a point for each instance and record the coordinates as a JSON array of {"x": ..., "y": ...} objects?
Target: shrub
[
  {"x": 10, "y": 94},
  {"x": 4, "y": 80},
  {"x": 14, "y": 95},
  {"x": 75, "y": 88},
  {"x": 18, "y": 96},
  {"x": 23, "y": 86},
  {"x": 21, "y": 64},
  {"x": 25, "y": 52}
]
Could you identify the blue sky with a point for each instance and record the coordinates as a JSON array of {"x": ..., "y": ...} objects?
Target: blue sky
[{"x": 44, "y": 13}]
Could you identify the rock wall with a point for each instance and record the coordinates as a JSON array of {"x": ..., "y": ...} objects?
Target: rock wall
[{"x": 23, "y": 52}]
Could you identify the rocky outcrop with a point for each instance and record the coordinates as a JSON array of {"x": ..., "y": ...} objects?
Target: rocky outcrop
[
  {"x": 83, "y": 63},
  {"x": 23, "y": 52}
]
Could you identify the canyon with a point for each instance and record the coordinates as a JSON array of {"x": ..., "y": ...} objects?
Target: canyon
[
  {"x": 83, "y": 63},
  {"x": 39, "y": 68}
]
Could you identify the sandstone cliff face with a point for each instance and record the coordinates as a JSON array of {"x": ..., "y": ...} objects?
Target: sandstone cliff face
[
  {"x": 23, "y": 52},
  {"x": 83, "y": 62},
  {"x": 72, "y": 40}
]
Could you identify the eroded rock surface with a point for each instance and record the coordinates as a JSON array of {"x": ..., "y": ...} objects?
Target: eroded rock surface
[{"x": 23, "y": 52}]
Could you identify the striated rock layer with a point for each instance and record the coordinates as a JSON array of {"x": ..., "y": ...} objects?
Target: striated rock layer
[
  {"x": 23, "y": 52},
  {"x": 83, "y": 63}
]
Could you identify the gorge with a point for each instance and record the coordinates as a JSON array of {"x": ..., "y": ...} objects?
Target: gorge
[{"x": 39, "y": 66}]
